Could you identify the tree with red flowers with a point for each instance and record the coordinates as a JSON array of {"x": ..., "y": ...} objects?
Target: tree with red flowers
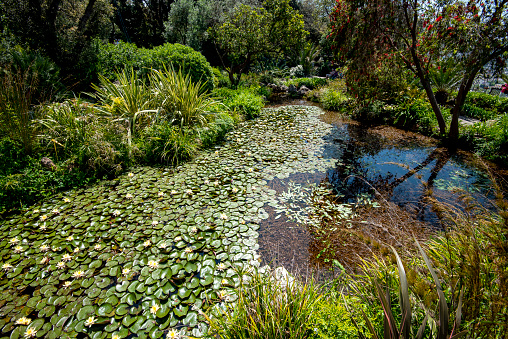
[{"x": 419, "y": 35}]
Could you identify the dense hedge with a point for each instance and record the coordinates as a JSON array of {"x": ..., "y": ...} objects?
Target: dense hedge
[{"x": 114, "y": 57}]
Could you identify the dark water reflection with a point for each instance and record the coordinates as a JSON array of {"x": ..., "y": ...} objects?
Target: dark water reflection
[{"x": 384, "y": 164}]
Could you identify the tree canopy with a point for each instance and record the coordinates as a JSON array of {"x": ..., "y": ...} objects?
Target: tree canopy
[
  {"x": 418, "y": 35},
  {"x": 249, "y": 32}
]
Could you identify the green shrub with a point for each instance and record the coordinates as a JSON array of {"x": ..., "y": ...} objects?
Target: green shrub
[
  {"x": 33, "y": 183},
  {"x": 12, "y": 157},
  {"x": 489, "y": 139},
  {"x": 164, "y": 143},
  {"x": 220, "y": 79},
  {"x": 114, "y": 58},
  {"x": 216, "y": 130},
  {"x": 310, "y": 83},
  {"x": 483, "y": 100},
  {"x": 414, "y": 113},
  {"x": 332, "y": 320},
  {"x": 334, "y": 100},
  {"x": 477, "y": 112},
  {"x": 245, "y": 101}
]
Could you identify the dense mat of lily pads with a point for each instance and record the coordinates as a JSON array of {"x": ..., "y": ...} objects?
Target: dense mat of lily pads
[{"x": 144, "y": 255}]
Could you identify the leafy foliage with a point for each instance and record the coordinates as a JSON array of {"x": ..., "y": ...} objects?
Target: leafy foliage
[
  {"x": 114, "y": 58},
  {"x": 245, "y": 101},
  {"x": 250, "y": 32},
  {"x": 418, "y": 35}
]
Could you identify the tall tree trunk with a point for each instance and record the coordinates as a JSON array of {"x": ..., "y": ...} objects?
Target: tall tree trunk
[
  {"x": 430, "y": 94},
  {"x": 465, "y": 87}
]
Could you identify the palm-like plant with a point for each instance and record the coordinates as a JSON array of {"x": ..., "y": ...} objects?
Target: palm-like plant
[
  {"x": 180, "y": 100},
  {"x": 444, "y": 79},
  {"x": 127, "y": 100}
]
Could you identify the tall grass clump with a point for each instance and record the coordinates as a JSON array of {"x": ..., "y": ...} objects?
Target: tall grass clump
[
  {"x": 73, "y": 131},
  {"x": 127, "y": 101},
  {"x": 267, "y": 307},
  {"x": 474, "y": 254},
  {"x": 180, "y": 100},
  {"x": 18, "y": 111}
]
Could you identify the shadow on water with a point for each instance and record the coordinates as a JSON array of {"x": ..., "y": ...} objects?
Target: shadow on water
[{"x": 403, "y": 168}]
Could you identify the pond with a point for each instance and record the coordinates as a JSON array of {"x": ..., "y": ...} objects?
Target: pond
[{"x": 144, "y": 255}]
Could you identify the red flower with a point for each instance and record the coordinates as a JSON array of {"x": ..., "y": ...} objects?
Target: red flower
[
  {"x": 439, "y": 18},
  {"x": 430, "y": 26},
  {"x": 438, "y": 67}
]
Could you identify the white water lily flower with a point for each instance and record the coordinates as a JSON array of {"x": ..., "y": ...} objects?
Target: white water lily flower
[
  {"x": 23, "y": 321},
  {"x": 249, "y": 154},
  {"x": 115, "y": 336},
  {"x": 7, "y": 267},
  {"x": 76, "y": 250},
  {"x": 163, "y": 245},
  {"x": 153, "y": 264},
  {"x": 126, "y": 271},
  {"x": 35, "y": 211},
  {"x": 250, "y": 169},
  {"x": 189, "y": 192},
  {"x": 67, "y": 284},
  {"x": 173, "y": 192},
  {"x": 154, "y": 308},
  {"x": 188, "y": 250},
  {"x": 43, "y": 227},
  {"x": 129, "y": 196},
  {"x": 55, "y": 211},
  {"x": 66, "y": 257},
  {"x": 216, "y": 183},
  {"x": 90, "y": 321},
  {"x": 130, "y": 175},
  {"x": 155, "y": 223},
  {"x": 44, "y": 217},
  {"x": 234, "y": 190},
  {"x": 67, "y": 200},
  {"x": 78, "y": 274},
  {"x": 173, "y": 334},
  {"x": 223, "y": 216},
  {"x": 206, "y": 182},
  {"x": 147, "y": 243},
  {"x": 160, "y": 194},
  {"x": 116, "y": 213},
  {"x": 242, "y": 222},
  {"x": 60, "y": 265},
  {"x": 30, "y": 332},
  {"x": 44, "y": 260},
  {"x": 224, "y": 282},
  {"x": 14, "y": 241},
  {"x": 69, "y": 238},
  {"x": 18, "y": 249},
  {"x": 221, "y": 267},
  {"x": 194, "y": 230}
]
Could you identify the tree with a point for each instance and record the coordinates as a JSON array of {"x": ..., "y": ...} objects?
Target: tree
[
  {"x": 250, "y": 32},
  {"x": 142, "y": 21},
  {"x": 419, "y": 35},
  {"x": 189, "y": 20},
  {"x": 60, "y": 28}
]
